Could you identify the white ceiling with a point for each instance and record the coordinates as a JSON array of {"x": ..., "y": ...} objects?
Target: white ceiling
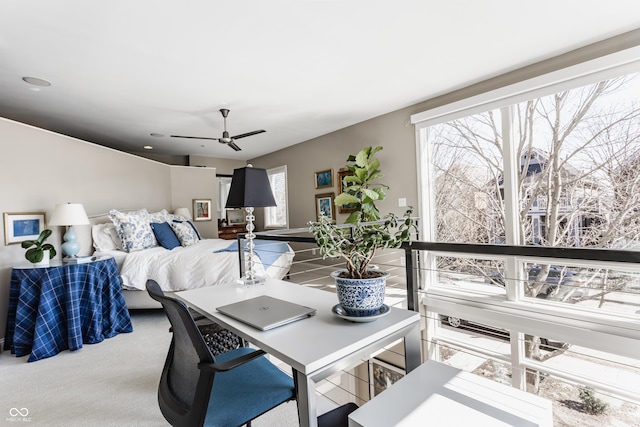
[{"x": 122, "y": 69}]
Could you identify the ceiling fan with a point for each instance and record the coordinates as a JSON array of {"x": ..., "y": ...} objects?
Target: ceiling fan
[{"x": 226, "y": 139}]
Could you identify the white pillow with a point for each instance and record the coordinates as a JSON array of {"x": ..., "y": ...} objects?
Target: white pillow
[
  {"x": 134, "y": 229},
  {"x": 185, "y": 232},
  {"x": 116, "y": 238},
  {"x": 103, "y": 237},
  {"x": 173, "y": 217}
]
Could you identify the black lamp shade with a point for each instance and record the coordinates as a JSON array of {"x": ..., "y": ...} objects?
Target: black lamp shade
[{"x": 250, "y": 188}]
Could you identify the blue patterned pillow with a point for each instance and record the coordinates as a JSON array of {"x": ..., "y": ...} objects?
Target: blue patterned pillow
[
  {"x": 186, "y": 233},
  {"x": 134, "y": 229},
  {"x": 186, "y": 221},
  {"x": 160, "y": 216}
]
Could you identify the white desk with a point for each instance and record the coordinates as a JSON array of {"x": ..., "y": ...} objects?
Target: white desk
[
  {"x": 316, "y": 347},
  {"x": 436, "y": 394}
]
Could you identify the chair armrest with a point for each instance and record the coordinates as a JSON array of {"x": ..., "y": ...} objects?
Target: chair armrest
[{"x": 233, "y": 363}]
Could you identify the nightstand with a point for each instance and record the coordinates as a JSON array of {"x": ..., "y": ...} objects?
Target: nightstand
[
  {"x": 63, "y": 306},
  {"x": 230, "y": 232}
]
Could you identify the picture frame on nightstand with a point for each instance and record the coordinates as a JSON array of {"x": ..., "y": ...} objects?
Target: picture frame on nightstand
[{"x": 236, "y": 217}]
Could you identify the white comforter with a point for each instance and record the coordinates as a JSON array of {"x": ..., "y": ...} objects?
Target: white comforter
[{"x": 191, "y": 267}]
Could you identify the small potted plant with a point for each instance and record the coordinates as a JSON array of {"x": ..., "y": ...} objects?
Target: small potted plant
[
  {"x": 361, "y": 289},
  {"x": 42, "y": 252}
]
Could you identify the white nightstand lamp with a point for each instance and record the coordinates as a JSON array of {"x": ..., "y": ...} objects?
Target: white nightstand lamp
[
  {"x": 184, "y": 212},
  {"x": 69, "y": 214}
]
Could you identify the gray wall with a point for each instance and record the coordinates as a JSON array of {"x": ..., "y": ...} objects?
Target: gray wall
[
  {"x": 397, "y": 163},
  {"x": 41, "y": 169}
]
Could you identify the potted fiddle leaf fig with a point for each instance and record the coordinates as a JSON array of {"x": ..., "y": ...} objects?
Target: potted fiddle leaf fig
[
  {"x": 361, "y": 289},
  {"x": 41, "y": 252},
  {"x": 362, "y": 189}
]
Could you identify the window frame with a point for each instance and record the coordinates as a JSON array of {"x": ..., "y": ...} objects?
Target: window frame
[
  {"x": 267, "y": 210},
  {"x": 617, "y": 334}
]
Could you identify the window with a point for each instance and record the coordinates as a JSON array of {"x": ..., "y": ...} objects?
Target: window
[
  {"x": 224, "y": 185},
  {"x": 278, "y": 216},
  {"x": 553, "y": 166},
  {"x": 570, "y": 163}
]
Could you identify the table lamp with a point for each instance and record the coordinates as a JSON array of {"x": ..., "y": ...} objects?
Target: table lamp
[
  {"x": 69, "y": 214},
  {"x": 184, "y": 212},
  {"x": 250, "y": 188}
]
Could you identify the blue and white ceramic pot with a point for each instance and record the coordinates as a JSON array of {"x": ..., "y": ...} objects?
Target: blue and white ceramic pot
[{"x": 360, "y": 297}]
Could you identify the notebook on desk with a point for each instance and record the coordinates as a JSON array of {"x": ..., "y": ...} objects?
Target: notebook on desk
[{"x": 265, "y": 312}]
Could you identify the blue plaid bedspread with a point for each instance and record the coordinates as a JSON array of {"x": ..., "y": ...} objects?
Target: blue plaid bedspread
[{"x": 58, "y": 308}]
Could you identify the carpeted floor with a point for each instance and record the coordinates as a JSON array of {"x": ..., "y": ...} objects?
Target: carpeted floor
[{"x": 113, "y": 383}]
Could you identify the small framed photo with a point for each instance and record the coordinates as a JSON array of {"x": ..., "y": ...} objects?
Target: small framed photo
[
  {"x": 202, "y": 209},
  {"x": 324, "y": 178},
  {"x": 341, "y": 186},
  {"x": 21, "y": 226},
  {"x": 236, "y": 217},
  {"x": 381, "y": 376},
  {"x": 324, "y": 205}
]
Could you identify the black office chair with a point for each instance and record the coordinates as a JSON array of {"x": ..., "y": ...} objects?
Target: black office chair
[{"x": 198, "y": 389}]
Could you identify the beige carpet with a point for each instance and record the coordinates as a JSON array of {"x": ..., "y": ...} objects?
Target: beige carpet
[{"x": 113, "y": 383}]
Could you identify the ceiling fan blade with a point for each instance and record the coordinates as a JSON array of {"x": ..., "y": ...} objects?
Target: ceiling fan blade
[
  {"x": 193, "y": 137},
  {"x": 242, "y": 135},
  {"x": 234, "y": 146}
]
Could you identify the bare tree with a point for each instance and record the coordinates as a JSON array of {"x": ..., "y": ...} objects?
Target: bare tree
[{"x": 578, "y": 183}]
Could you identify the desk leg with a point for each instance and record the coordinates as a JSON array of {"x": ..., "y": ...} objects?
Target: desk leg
[
  {"x": 306, "y": 400},
  {"x": 412, "y": 358}
]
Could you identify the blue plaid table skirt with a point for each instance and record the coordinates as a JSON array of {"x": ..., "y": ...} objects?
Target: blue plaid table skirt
[{"x": 59, "y": 308}]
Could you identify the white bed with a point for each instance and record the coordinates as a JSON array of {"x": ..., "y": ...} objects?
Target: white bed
[
  {"x": 190, "y": 267},
  {"x": 207, "y": 262}
]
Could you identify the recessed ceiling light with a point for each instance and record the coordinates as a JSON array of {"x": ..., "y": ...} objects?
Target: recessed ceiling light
[
  {"x": 36, "y": 81},
  {"x": 148, "y": 147},
  {"x": 157, "y": 135}
]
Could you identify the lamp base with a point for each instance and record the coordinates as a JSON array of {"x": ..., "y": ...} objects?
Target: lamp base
[
  {"x": 251, "y": 281},
  {"x": 70, "y": 247}
]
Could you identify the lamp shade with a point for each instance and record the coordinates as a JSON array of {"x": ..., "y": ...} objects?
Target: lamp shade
[
  {"x": 185, "y": 212},
  {"x": 69, "y": 214},
  {"x": 250, "y": 188}
]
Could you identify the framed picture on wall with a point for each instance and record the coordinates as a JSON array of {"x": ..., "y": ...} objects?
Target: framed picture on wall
[
  {"x": 324, "y": 205},
  {"x": 341, "y": 186},
  {"x": 324, "y": 178},
  {"x": 21, "y": 226},
  {"x": 381, "y": 376},
  {"x": 202, "y": 209}
]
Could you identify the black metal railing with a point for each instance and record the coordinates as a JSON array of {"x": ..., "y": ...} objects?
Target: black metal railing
[{"x": 413, "y": 248}]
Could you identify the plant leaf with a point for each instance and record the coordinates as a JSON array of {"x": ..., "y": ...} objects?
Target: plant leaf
[
  {"x": 44, "y": 235},
  {"x": 346, "y": 199},
  {"x": 27, "y": 244},
  {"x": 34, "y": 255}
]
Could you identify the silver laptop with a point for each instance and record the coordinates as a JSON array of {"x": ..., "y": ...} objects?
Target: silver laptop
[{"x": 265, "y": 312}]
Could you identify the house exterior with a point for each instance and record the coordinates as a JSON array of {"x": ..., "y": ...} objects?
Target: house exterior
[{"x": 579, "y": 206}]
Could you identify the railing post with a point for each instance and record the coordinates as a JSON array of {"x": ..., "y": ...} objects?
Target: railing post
[
  {"x": 241, "y": 254},
  {"x": 412, "y": 278}
]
